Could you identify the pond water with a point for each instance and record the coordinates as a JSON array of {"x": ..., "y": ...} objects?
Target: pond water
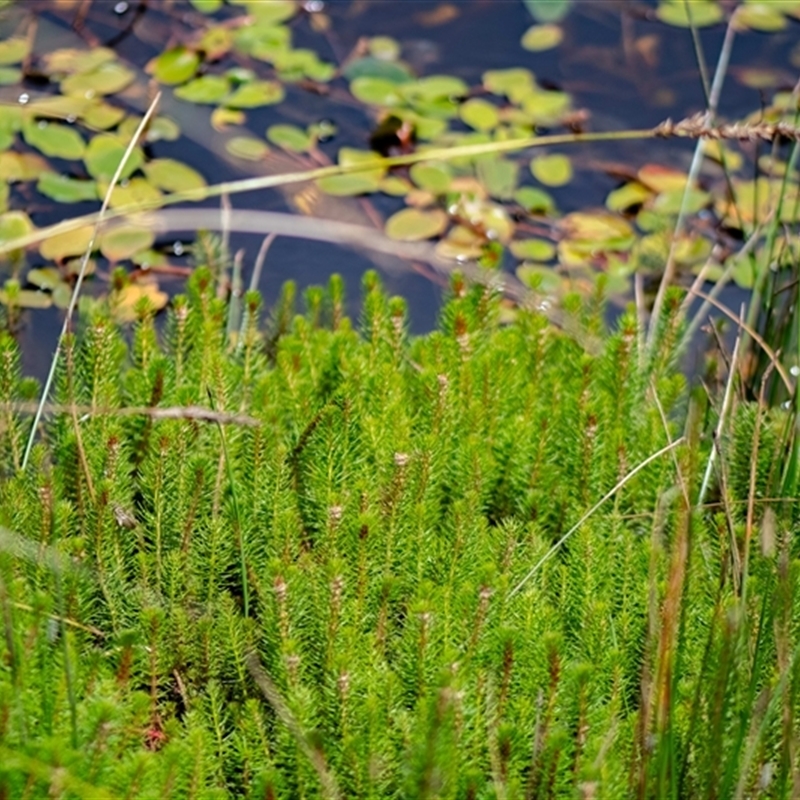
[{"x": 618, "y": 63}]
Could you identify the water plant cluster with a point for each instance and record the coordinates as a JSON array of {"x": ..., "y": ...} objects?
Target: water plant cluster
[{"x": 327, "y": 559}]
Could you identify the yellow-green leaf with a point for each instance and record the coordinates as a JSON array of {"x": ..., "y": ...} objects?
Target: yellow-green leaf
[
  {"x": 64, "y": 189},
  {"x": 64, "y": 245},
  {"x": 14, "y": 225},
  {"x": 414, "y": 224},
  {"x": 631, "y": 194},
  {"x": 542, "y": 37},
  {"x": 533, "y": 249},
  {"x": 290, "y": 137},
  {"x": 350, "y": 184},
  {"x": 703, "y": 13},
  {"x": 14, "y": 50},
  {"x": 552, "y": 170},
  {"x": 54, "y": 139},
  {"x": 247, "y": 147},
  {"x": 124, "y": 241},
  {"x": 174, "y": 66},
  {"x": 256, "y": 93},
  {"x": 479, "y": 114},
  {"x": 762, "y": 16},
  {"x": 205, "y": 89},
  {"x": 433, "y": 176},
  {"x": 104, "y": 154},
  {"x": 170, "y": 175},
  {"x": 106, "y": 78}
]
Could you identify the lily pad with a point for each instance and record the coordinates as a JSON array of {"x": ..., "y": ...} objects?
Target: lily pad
[
  {"x": 533, "y": 249},
  {"x": 174, "y": 66},
  {"x": 54, "y": 139},
  {"x": 349, "y": 185},
  {"x": 222, "y": 118},
  {"x": 257, "y": 93},
  {"x": 542, "y": 37},
  {"x": 534, "y": 201},
  {"x": 384, "y": 48},
  {"x": 461, "y": 244},
  {"x": 631, "y": 194},
  {"x": 205, "y": 89},
  {"x": 435, "y": 87},
  {"x": 170, "y": 175},
  {"x": 10, "y": 76},
  {"x": 106, "y": 78},
  {"x": 247, "y": 147},
  {"x": 16, "y": 167},
  {"x": 64, "y": 245},
  {"x": 539, "y": 278},
  {"x": 703, "y": 13},
  {"x": 514, "y": 83},
  {"x": 371, "y": 67},
  {"x": 661, "y": 179},
  {"x": 44, "y": 277},
  {"x": 290, "y": 137},
  {"x": 762, "y": 16},
  {"x": 14, "y": 225},
  {"x": 376, "y": 91},
  {"x": 548, "y": 10},
  {"x": 415, "y": 225},
  {"x": 546, "y": 108},
  {"x": 433, "y": 176},
  {"x": 671, "y": 202},
  {"x": 479, "y": 114},
  {"x": 498, "y": 175},
  {"x": 128, "y": 298},
  {"x": 135, "y": 192},
  {"x": 273, "y": 12},
  {"x": 102, "y": 116},
  {"x": 25, "y": 298},
  {"x": 552, "y": 170},
  {"x": 64, "y": 189},
  {"x": 104, "y": 154},
  {"x": 216, "y": 42},
  {"x": 14, "y": 50},
  {"x": 599, "y": 229},
  {"x": 394, "y": 186},
  {"x": 124, "y": 241},
  {"x": 207, "y": 6}
]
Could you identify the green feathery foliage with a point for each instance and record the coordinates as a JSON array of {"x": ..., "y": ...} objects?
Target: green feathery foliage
[{"x": 319, "y": 561}]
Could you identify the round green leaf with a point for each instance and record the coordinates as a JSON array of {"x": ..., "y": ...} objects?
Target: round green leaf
[
  {"x": 206, "y": 89},
  {"x": 415, "y": 224},
  {"x": 64, "y": 245},
  {"x": 370, "y": 67},
  {"x": 173, "y": 176},
  {"x": 10, "y": 76},
  {"x": 14, "y": 225},
  {"x": 760, "y": 17},
  {"x": 479, "y": 114},
  {"x": 350, "y": 184},
  {"x": 14, "y": 50},
  {"x": 546, "y": 108},
  {"x": 384, "y": 48},
  {"x": 435, "y": 87},
  {"x": 552, "y": 170},
  {"x": 257, "y": 93},
  {"x": 376, "y": 91},
  {"x": 514, "y": 83},
  {"x": 134, "y": 192},
  {"x": 175, "y": 66},
  {"x": 272, "y": 12},
  {"x": 104, "y": 153},
  {"x": 703, "y": 13},
  {"x": 207, "y": 6},
  {"x": 44, "y": 277},
  {"x": 432, "y": 176},
  {"x": 498, "y": 176},
  {"x": 534, "y": 201},
  {"x": 106, "y": 78},
  {"x": 247, "y": 147},
  {"x": 542, "y": 37},
  {"x": 631, "y": 194},
  {"x": 539, "y": 278},
  {"x": 548, "y": 10},
  {"x": 290, "y": 137},
  {"x": 533, "y": 249},
  {"x": 54, "y": 139},
  {"x": 102, "y": 116},
  {"x": 64, "y": 189},
  {"x": 124, "y": 241}
]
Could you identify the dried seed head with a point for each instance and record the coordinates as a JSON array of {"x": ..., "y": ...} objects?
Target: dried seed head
[
  {"x": 343, "y": 683},
  {"x": 279, "y": 587},
  {"x": 401, "y": 459},
  {"x": 335, "y": 513}
]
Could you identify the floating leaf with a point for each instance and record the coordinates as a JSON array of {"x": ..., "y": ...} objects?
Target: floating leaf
[
  {"x": 107, "y": 78},
  {"x": 514, "y": 83},
  {"x": 762, "y": 16},
  {"x": 247, "y": 147},
  {"x": 25, "y": 298},
  {"x": 290, "y": 137},
  {"x": 5, "y": 192},
  {"x": 479, "y": 114},
  {"x": 44, "y": 277},
  {"x": 435, "y": 87},
  {"x": 672, "y": 201},
  {"x": 10, "y": 76},
  {"x": 16, "y": 167},
  {"x": 370, "y": 67},
  {"x": 548, "y": 10},
  {"x": 414, "y": 225},
  {"x": 207, "y": 6},
  {"x": 598, "y": 230},
  {"x": 54, "y": 139},
  {"x": 124, "y": 241},
  {"x": 533, "y": 249},
  {"x": 546, "y": 108},
  {"x": 206, "y": 89},
  {"x": 72, "y": 60},
  {"x": 129, "y": 297},
  {"x": 104, "y": 154},
  {"x": 133, "y": 192},
  {"x": 539, "y": 278},
  {"x": 542, "y": 37},
  {"x": 433, "y": 176},
  {"x": 716, "y": 150},
  {"x": 174, "y": 66},
  {"x": 273, "y": 12},
  {"x": 498, "y": 175},
  {"x": 631, "y": 194},
  {"x": 461, "y": 244},
  {"x": 170, "y": 175},
  {"x": 552, "y": 170},
  {"x": 703, "y": 13},
  {"x": 349, "y": 185},
  {"x": 62, "y": 295},
  {"x": 14, "y": 225},
  {"x": 384, "y": 48},
  {"x": 64, "y": 189},
  {"x": 216, "y": 42},
  {"x": 221, "y": 118},
  {"x": 257, "y": 93},
  {"x": 102, "y": 116},
  {"x": 394, "y": 186},
  {"x": 534, "y": 200},
  {"x": 64, "y": 245},
  {"x": 376, "y": 91},
  {"x": 661, "y": 179},
  {"x": 14, "y": 50}
]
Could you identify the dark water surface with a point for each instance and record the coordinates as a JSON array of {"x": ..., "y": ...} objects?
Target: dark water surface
[{"x": 626, "y": 68}]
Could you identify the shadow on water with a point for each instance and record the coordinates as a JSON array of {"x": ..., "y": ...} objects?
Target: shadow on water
[{"x": 626, "y": 68}]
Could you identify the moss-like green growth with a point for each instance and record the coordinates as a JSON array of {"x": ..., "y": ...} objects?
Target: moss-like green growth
[{"x": 317, "y": 562}]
